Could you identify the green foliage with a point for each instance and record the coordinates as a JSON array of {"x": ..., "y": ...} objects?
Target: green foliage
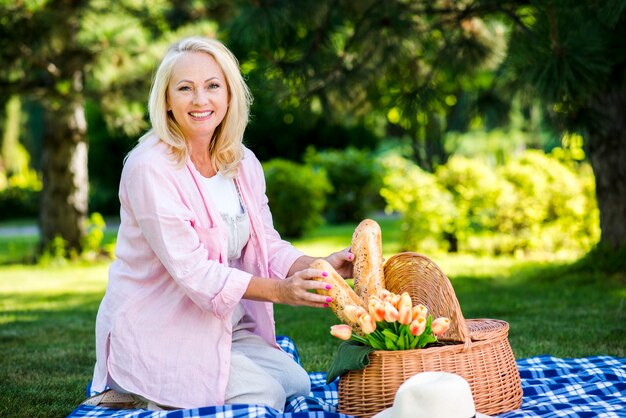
[
  {"x": 21, "y": 196},
  {"x": 297, "y": 196},
  {"x": 532, "y": 204},
  {"x": 91, "y": 245},
  {"x": 565, "y": 52},
  {"x": 356, "y": 179},
  {"x": 477, "y": 192},
  {"x": 56, "y": 253},
  {"x": 550, "y": 208},
  {"x": 427, "y": 208}
]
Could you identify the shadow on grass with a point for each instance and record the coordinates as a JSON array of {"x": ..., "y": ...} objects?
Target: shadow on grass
[{"x": 47, "y": 353}]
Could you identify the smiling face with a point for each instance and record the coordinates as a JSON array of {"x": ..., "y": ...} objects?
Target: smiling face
[{"x": 197, "y": 95}]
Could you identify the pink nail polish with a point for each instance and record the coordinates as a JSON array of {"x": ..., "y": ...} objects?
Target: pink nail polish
[
  {"x": 326, "y": 305},
  {"x": 324, "y": 274},
  {"x": 329, "y": 300},
  {"x": 328, "y": 287}
]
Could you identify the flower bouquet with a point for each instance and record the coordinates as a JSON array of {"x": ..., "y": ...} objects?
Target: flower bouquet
[
  {"x": 376, "y": 323},
  {"x": 391, "y": 322}
]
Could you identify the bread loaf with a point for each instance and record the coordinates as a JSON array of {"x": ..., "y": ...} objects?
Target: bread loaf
[
  {"x": 341, "y": 293},
  {"x": 367, "y": 247}
]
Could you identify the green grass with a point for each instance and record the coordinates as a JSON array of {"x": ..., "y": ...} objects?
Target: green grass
[{"x": 47, "y": 317}]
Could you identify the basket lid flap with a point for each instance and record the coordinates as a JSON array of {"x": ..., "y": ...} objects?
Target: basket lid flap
[{"x": 427, "y": 284}]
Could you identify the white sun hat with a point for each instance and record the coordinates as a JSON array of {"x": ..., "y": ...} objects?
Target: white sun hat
[{"x": 433, "y": 395}]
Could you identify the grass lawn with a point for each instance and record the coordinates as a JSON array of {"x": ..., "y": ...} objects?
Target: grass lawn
[{"x": 47, "y": 316}]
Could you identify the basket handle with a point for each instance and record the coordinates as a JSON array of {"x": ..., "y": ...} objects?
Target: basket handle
[{"x": 427, "y": 284}]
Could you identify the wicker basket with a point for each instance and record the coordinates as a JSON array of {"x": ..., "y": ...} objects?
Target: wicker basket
[{"x": 476, "y": 349}]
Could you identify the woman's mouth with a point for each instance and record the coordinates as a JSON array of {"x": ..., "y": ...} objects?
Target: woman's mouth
[{"x": 200, "y": 115}]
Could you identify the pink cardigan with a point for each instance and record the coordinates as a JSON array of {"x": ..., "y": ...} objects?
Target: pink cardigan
[{"x": 163, "y": 329}]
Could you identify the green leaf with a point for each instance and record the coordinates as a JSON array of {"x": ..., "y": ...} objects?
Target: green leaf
[
  {"x": 390, "y": 344},
  {"x": 375, "y": 343},
  {"x": 390, "y": 335}
]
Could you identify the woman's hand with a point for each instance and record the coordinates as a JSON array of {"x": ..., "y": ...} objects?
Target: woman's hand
[
  {"x": 342, "y": 262},
  {"x": 299, "y": 289}
]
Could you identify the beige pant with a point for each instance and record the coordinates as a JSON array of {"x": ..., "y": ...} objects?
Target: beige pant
[{"x": 262, "y": 374}]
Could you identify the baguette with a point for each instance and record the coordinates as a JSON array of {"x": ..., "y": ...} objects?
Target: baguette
[
  {"x": 367, "y": 248},
  {"x": 341, "y": 293}
]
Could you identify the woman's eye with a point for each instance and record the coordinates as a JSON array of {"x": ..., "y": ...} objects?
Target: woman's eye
[
  {"x": 213, "y": 86},
  {"x": 184, "y": 88}
]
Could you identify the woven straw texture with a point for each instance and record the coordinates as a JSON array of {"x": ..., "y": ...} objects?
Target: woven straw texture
[{"x": 476, "y": 349}]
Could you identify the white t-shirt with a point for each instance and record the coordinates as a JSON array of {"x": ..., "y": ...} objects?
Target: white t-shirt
[{"x": 224, "y": 194}]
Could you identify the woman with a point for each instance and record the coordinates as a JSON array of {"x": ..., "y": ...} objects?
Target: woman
[{"x": 187, "y": 318}]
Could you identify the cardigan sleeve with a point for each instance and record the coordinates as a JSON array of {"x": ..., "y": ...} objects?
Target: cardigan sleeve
[{"x": 189, "y": 252}]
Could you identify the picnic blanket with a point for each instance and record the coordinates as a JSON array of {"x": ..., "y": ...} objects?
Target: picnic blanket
[{"x": 553, "y": 387}]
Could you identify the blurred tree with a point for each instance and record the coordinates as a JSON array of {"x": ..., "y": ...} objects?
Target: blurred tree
[
  {"x": 399, "y": 67},
  {"x": 412, "y": 66},
  {"x": 42, "y": 55},
  {"x": 572, "y": 55},
  {"x": 64, "y": 52}
]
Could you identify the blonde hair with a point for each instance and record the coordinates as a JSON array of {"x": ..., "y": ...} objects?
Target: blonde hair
[{"x": 226, "y": 148}]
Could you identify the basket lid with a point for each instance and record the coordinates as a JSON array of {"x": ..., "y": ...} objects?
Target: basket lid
[{"x": 422, "y": 278}]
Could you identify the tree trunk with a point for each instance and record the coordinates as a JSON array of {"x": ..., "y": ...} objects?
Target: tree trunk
[
  {"x": 64, "y": 201},
  {"x": 607, "y": 152}
]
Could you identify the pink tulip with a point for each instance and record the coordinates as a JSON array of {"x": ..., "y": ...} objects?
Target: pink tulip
[
  {"x": 377, "y": 310},
  {"x": 418, "y": 326},
  {"x": 404, "y": 314},
  {"x": 367, "y": 323},
  {"x": 440, "y": 326},
  {"x": 342, "y": 331},
  {"x": 419, "y": 311},
  {"x": 391, "y": 313}
]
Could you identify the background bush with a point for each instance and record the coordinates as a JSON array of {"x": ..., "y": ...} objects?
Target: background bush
[
  {"x": 476, "y": 191},
  {"x": 427, "y": 208},
  {"x": 297, "y": 196},
  {"x": 20, "y": 199},
  {"x": 551, "y": 208},
  {"x": 532, "y": 204},
  {"x": 356, "y": 179}
]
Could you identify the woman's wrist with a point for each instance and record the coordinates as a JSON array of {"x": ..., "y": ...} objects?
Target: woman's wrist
[{"x": 263, "y": 289}]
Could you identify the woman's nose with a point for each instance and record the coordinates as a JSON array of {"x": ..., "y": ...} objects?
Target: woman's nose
[{"x": 200, "y": 97}]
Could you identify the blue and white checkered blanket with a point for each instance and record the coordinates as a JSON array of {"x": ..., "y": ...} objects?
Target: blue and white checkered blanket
[{"x": 553, "y": 387}]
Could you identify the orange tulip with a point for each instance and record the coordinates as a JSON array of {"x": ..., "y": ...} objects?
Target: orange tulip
[
  {"x": 374, "y": 298},
  {"x": 418, "y": 326},
  {"x": 391, "y": 313},
  {"x": 440, "y": 326},
  {"x": 342, "y": 331},
  {"x": 395, "y": 300},
  {"x": 405, "y": 300},
  {"x": 367, "y": 323},
  {"x": 377, "y": 310},
  {"x": 404, "y": 314},
  {"x": 384, "y": 294},
  {"x": 360, "y": 311},
  {"x": 419, "y": 311}
]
